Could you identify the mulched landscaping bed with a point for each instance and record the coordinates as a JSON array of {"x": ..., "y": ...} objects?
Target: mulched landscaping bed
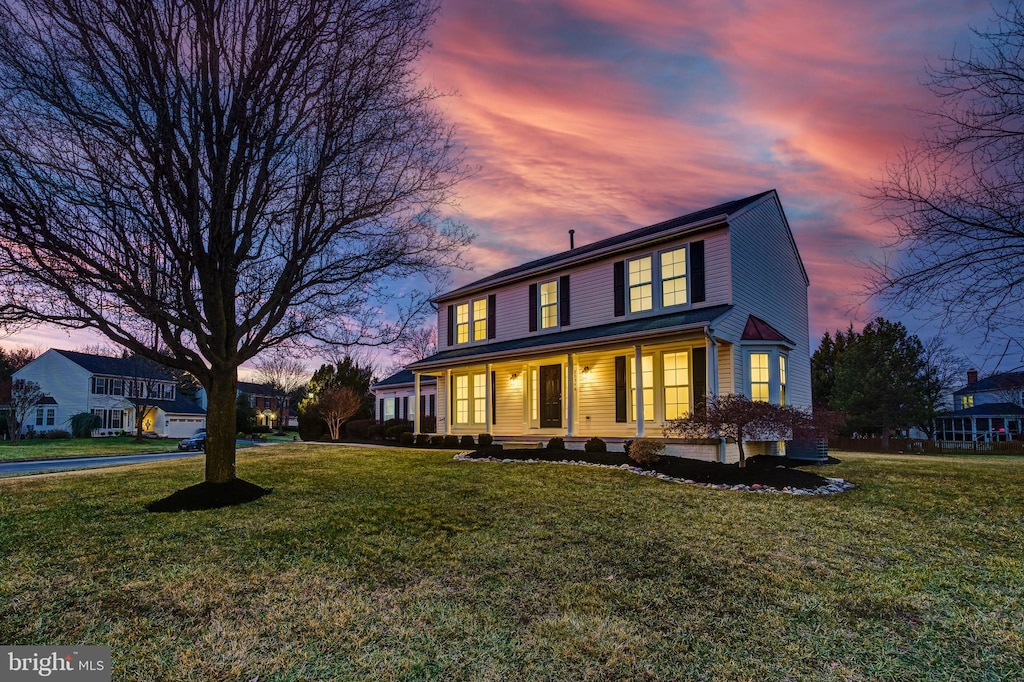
[
  {"x": 773, "y": 472},
  {"x": 209, "y": 496}
]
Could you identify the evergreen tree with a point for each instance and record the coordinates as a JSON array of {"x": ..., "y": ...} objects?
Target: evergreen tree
[{"x": 881, "y": 380}]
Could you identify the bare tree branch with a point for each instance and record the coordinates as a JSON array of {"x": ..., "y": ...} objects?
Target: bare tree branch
[{"x": 202, "y": 181}]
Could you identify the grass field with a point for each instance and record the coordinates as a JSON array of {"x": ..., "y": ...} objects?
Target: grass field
[
  {"x": 45, "y": 448},
  {"x": 406, "y": 565}
]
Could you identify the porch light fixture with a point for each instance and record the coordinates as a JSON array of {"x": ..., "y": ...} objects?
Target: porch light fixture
[{"x": 514, "y": 379}]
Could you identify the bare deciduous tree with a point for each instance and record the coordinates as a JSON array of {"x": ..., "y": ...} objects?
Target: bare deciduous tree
[
  {"x": 202, "y": 181},
  {"x": 419, "y": 343},
  {"x": 23, "y": 398},
  {"x": 283, "y": 374},
  {"x": 956, "y": 198},
  {"x": 944, "y": 369},
  {"x": 335, "y": 404}
]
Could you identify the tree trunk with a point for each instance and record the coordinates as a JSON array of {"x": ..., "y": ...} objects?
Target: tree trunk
[
  {"x": 14, "y": 429},
  {"x": 739, "y": 444},
  {"x": 220, "y": 426}
]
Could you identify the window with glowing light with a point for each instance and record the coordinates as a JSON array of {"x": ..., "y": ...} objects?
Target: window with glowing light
[
  {"x": 470, "y": 398},
  {"x": 673, "y": 277},
  {"x": 641, "y": 289},
  {"x": 549, "y": 304},
  {"x": 480, "y": 319},
  {"x": 462, "y": 323},
  {"x": 760, "y": 382},
  {"x": 676, "y": 370},
  {"x": 782, "y": 380}
]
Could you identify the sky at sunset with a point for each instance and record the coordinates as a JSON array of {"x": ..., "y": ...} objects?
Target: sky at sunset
[{"x": 607, "y": 115}]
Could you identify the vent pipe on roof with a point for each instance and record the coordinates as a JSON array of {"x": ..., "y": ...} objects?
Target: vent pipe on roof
[{"x": 572, "y": 240}]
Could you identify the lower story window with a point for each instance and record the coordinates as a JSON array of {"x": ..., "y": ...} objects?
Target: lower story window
[
  {"x": 109, "y": 419},
  {"x": 677, "y": 384},
  {"x": 760, "y": 384},
  {"x": 470, "y": 398}
]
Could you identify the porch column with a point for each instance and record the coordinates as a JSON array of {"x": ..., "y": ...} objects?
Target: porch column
[
  {"x": 974, "y": 429},
  {"x": 488, "y": 398},
  {"x": 712, "y": 350},
  {"x": 639, "y": 365},
  {"x": 570, "y": 401},
  {"x": 448, "y": 402},
  {"x": 416, "y": 402}
]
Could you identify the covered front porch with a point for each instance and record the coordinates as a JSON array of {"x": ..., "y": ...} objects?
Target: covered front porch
[{"x": 613, "y": 391}]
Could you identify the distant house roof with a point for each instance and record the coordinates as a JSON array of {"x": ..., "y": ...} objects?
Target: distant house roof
[
  {"x": 403, "y": 378},
  {"x": 254, "y": 388},
  {"x": 759, "y": 330},
  {"x": 120, "y": 367},
  {"x": 47, "y": 400},
  {"x": 635, "y": 327},
  {"x": 720, "y": 211},
  {"x": 996, "y": 382},
  {"x": 988, "y": 410},
  {"x": 180, "y": 405}
]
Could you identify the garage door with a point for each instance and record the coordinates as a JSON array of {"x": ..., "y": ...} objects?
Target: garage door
[{"x": 182, "y": 427}]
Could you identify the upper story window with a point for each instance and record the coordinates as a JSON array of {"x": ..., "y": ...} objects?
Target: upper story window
[
  {"x": 641, "y": 288},
  {"x": 480, "y": 319},
  {"x": 673, "y": 277},
  {"x": 549, "y": 304},
  {"x": 653, "y": 281},
  {"x": 966, "y": 401},
  {"x": 99, "y": 385},
  {"x": 469, "y": 321},
  {"x": 462, "y": 323}
]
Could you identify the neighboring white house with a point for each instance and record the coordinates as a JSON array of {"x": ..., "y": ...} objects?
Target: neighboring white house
[
  {"x": 105, "y": 386},
  {"x": 989, "y": 409},
  {"x": 617, "y": 337},
  {"x": 396, "y": 397}
]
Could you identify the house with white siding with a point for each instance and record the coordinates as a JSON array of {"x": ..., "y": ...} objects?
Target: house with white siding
[
  {"x": 395, "y": 397},
  {"x": 989, "y": 410},
  {"x": 615, "y": 338},
  {"x": 109, "y": 388}
]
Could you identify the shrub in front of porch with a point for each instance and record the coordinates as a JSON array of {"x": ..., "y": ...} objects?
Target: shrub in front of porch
[
  {"x": 646, "y": 450},
  {"x": 595, "y": 444},
  {"x": 556, "y": 443}
]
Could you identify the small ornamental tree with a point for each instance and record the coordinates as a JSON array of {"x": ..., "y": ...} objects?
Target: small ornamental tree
[
  {"x": 335, "y": 404},
  {"x": 25, "y": 395},
  {"x": 738, "y": 417}
]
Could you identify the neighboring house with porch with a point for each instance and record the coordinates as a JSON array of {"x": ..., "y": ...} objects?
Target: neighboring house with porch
[
  {"x": 989, "y": 410},
  {"x": 264, "y": 402},
  {"x": 109, "y": 388},
  {"x": 395, "y": 397},
  {"x": 617, "y": 337}
]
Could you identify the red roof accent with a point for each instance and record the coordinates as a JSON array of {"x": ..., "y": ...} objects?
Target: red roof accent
[{"x": 759, "y": 330}]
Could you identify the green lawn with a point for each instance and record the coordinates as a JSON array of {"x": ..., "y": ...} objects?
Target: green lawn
[
  {"x": 44, "y": 448},
  {"x": 404, "y": 565}
]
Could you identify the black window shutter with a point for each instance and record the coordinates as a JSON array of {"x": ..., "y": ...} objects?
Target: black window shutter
[
  {"x": 697, "y": 271},
  {"x": 451, "y": 324},
  {"x": 494, "y": 403},
  {"x": 382, "y": 409},
  {"x": 533, "y": 307},
  {"x": 433, "y": 405},
  {"x": 700, "y": 376},
  {"x": 620, "y": 288},
  {"x": 492, "y": 323},
  {"x": 563, "y": 300},
  {"x": 620, "y": 388},
  {"x": 405, "y": 406},
  {"x": 92, "y": 385},
  {"x": 423, "y": 408}
]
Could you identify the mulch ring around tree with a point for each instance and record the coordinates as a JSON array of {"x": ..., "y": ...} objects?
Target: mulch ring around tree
[
  {"x": 209, "y": 496},
  {"x": 765, "y": 474}
]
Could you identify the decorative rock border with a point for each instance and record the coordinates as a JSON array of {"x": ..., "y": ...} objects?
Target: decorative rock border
[{"x": 835, "y": 485}]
